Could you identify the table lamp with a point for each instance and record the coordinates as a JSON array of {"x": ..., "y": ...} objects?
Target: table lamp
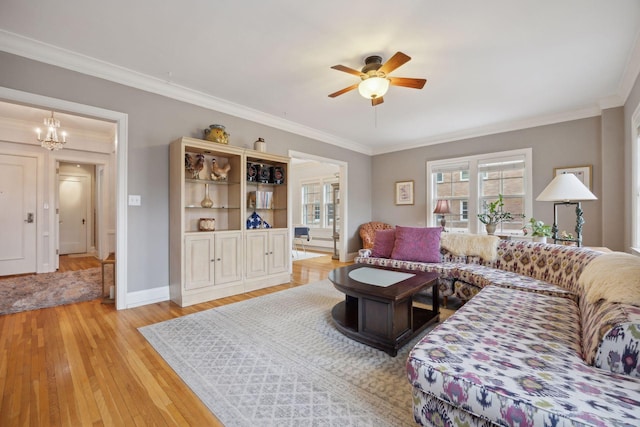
[
  {"x": 564, "y": 190},
  {"x": 442, "y": 208}
]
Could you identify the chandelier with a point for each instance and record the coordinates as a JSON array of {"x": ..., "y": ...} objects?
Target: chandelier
[{"x": 51, "y": 141}]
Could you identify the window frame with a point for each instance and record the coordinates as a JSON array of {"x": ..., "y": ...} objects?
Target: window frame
[
  {"x": 474, "y": 200},
  {"x": 322, "y": 183}
]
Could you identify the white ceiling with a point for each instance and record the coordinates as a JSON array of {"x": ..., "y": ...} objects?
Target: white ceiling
[{"x": 490, "y": 65}]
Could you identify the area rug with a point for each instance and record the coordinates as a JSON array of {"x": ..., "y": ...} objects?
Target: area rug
[
  {"x": 36, "y": 291},
  {"x": 277, "y": 360}
]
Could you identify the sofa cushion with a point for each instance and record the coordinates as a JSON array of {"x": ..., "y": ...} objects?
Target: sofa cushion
[
  {"x": 514, "y": 358},
  {"x": 420, "y": 244},
  {"x": 614, "y": 277},
  {"x": 383, "y": 243}
]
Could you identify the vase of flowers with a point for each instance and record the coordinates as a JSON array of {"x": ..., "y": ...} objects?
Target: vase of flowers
[
  {"x": 494, "y": 214},
  {"x": 539, "y": 230}
]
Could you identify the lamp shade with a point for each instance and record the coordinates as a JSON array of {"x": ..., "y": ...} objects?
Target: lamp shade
[
  {"x": 565, "y": 187},
  {"x": 442, "y": 207},
  {"x": 373, "y": 87}
]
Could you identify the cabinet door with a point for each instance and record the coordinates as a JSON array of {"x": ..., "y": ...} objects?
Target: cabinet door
[
  {"x": 279, "y": 253},
  {"x": 198, "y": 261},
  {"x": 257, "y": 249},
  {"x": 228, "y": 264}
]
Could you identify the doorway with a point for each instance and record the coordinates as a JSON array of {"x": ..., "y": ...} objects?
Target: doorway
[
  {"x": 115, "y": 181},
  {"x": 335, "y": 237},
  {"x": 76, "y": 207}
]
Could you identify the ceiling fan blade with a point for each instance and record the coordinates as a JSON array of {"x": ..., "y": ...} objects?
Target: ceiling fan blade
[
  {"x": 345, "y": 90},
  {"x": 376, "y": 101},
  {"x": 407, "y": 82},
  {"x": 347, "y": 70},
  {"x": 394, "y": 62}
]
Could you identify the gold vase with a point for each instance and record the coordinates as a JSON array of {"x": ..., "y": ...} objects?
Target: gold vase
[{"x": 206, "y": 202}]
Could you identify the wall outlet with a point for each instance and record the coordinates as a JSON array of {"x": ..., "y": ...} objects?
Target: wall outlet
[{"x": 135, "y": 200}]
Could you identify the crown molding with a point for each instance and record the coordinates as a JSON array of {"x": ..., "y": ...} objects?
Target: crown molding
[
  {"x": 53, "y": 55},
  {"x": 495, "y": 129}
]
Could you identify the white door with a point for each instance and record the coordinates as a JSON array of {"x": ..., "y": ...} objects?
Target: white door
[
  {"x": 17, "y": 214},
  {"x": 73, "y": 200}
]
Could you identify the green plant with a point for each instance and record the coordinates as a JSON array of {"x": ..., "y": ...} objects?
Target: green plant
[
  {"x": 494, "y": 214},
  {"x": 538, "y": 228}
]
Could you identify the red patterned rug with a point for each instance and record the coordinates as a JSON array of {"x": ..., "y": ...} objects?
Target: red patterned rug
[{"x": 50, "y": 289}]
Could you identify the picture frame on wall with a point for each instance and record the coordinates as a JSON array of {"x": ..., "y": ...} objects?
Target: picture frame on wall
[
  {"x": 583, "y": 173},
  {"x": 404, "y": 192}
]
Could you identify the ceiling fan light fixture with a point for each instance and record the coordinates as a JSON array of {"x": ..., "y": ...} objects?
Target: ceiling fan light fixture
[{"x": 373, "y": 87}]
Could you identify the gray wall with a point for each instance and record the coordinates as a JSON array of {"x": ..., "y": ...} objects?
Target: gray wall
[
  {"x": 573, "y": 143},
  {"x": 155, "y": 121}
]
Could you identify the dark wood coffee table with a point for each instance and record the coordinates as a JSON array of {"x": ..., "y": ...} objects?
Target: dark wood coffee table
[{"x": 383, "y": 317}]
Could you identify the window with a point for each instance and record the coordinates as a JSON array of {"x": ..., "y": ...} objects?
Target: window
[
  {"x": 317, "y": 203},
  {"x": 469, "y": 182},
  {"x": 311, "y": 197},
  {"x": 328, "y": 206}
]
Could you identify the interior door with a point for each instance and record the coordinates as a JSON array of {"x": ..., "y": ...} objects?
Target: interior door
[
  {"x": 17, "y": 214},
  {"x": 73, "y": 200}
]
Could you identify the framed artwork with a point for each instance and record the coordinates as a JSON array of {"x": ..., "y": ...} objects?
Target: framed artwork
[
  {"x": 404, "y": 192},
  {"x": 583, "y": 173}
]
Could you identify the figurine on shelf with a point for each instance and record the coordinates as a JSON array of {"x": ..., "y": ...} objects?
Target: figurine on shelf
[
  {"x": 192, "y": 166},
  {"x": 219, "y": 173}
]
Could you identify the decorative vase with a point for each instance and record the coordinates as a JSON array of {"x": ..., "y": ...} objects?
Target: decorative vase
[
  {"x": 540, "y": 239},
  {"x": 216, "y": 133},
  {"x": 491, "y": 228},
  {"x": 260, "y": 145},
  {"x": 206, "y": 202}
]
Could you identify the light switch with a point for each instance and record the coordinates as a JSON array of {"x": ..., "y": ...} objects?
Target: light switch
[{"x": 134, "y": 200}]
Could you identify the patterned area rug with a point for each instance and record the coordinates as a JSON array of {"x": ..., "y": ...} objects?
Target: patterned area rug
[
  {"x": 277, "y": 360},
  {"x": 50, "y": 289}
]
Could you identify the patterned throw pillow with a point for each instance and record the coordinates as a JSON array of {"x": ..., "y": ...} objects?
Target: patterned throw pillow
[
  {"x": 417, "y": 244},
  {"x": 383, "y": 243}
]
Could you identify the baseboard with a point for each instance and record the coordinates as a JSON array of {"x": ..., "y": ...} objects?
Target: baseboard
[{"x": 148, "y": 296}]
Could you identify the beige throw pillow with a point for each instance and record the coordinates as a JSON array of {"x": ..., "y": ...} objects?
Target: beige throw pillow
[{"x": 614, "y": 277}]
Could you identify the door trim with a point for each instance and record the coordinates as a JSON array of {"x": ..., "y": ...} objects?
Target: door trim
[{"x": 122, "y": 125}]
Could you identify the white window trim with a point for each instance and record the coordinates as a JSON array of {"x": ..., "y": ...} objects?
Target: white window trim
[
  {"x": 475, "y": 226},
  {"x": 634, "y": 244}
]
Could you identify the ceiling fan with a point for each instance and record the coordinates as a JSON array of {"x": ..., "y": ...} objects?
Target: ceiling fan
[{"x": 375, "y": 79}]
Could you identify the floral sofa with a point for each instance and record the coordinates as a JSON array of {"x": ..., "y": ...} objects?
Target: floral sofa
[{"x": 527, "y": 349}]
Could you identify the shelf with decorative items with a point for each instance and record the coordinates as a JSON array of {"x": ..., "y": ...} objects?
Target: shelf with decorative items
[
  {"x": 213, "y": 251},
  {"x": 266, "y": 191}
]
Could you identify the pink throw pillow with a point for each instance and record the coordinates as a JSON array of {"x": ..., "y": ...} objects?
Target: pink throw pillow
[
  {"x": 383, "y": 242},
  {"x": 421, "y": 244}
]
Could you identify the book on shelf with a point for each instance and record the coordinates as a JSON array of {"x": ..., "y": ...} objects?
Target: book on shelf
[{"x": 260, "y": 200}]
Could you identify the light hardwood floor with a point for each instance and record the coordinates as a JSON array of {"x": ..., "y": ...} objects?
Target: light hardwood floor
[{"x": 86, "y": 364}]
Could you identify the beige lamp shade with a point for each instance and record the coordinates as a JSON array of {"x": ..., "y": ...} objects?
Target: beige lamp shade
[
  {"x": 564, "y": 188},
  {"x": 442, "y": 207}
]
